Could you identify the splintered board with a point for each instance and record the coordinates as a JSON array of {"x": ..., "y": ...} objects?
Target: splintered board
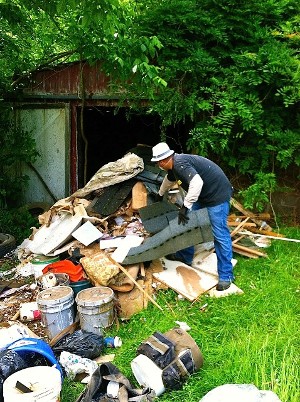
[{"x": 185, "y": 280}]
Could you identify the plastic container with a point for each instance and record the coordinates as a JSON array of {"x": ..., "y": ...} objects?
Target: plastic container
[
  {"x": 50, "y": 280},
  {"x": 44, "y": 382},
  {"x": 80, "y": 285},
  {"x": 40, "y": 262},
  {"x": 95, "y": 308},
  {"x": 148, "y": 374},
  {"x": 57, "y": 309},
  {"x": 29, "y": 311},
  {"x": 26, "y": 347},
  {"x": 113, "y": 342}
]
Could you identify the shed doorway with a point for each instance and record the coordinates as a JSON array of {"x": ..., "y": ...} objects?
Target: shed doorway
[{"x": 111, "y": 132}]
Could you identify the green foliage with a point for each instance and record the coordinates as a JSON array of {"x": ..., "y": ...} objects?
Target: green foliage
[
  {"x": 16, "y": 147},
  {"x": 17, "y": 222},
  {"x": 239, "y": 86},
  {"x": 256, "y": 196},
  {"x": 230, "y": 68}
]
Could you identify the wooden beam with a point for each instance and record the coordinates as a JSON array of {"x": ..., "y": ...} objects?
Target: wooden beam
[
  {"x": 249, "y": 250},
  {"x": 134, "y": 281},
  {"x": 251, "y": 215}
]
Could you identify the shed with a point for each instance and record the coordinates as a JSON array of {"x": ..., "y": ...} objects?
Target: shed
[{"x": 78, "y": 130}]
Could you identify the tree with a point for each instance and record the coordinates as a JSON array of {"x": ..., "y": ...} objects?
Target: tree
[{"x": 231, "y": 68}]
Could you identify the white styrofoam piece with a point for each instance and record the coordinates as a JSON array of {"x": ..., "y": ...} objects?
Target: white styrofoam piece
[
  {"x": 87, "y": 233},
  {"x": 127, "y": 243},
  {"x": 48, "y": 239},
  {"x": 111, "y": 243}
]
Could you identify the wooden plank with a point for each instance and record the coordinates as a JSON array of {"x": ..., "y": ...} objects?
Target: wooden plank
[
  {"x": 263, "y": 216},
  {"x": 265, "y": 232},
  {"x": 246, "y": 225},
  {"x": 244, "y": 252},
  {"x": 249, "y": 250},
  {"x": 251, "y": 215},
  {"x": 239, "y": 227},
  {"x": 134, "y": 281}
]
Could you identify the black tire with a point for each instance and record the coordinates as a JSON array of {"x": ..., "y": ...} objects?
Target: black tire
[{"x": 7, "y": 244}]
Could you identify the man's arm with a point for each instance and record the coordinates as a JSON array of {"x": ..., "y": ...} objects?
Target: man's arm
[{"x": 194, "y": 191}]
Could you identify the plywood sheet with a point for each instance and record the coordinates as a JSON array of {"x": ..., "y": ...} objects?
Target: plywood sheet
[{"x": 185, "y": 280}]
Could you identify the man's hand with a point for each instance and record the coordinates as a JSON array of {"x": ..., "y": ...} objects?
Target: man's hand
[
  {"x": 158, "y": 198},
  {"x": 182, "y": 216}
]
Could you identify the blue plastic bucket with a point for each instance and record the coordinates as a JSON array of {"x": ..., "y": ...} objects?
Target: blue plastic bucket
[{"x": 29, "y": 346}]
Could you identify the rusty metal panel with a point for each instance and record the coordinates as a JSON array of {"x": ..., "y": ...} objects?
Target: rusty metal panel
[{"x": 65, "y": 80}]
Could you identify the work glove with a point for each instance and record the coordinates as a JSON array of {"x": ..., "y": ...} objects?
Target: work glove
[
  {"x": 182, "y": 215},
  {"x": 158, "y": 198}
]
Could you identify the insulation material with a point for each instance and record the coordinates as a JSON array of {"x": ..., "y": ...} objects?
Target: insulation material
[
  {"x": 111, "y": 173},
  {"x": 99, "y": 269}
]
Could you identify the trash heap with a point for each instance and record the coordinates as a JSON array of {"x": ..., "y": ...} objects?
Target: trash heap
[{"x": 97, "y": 257}]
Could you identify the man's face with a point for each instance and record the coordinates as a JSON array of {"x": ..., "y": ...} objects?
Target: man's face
[{"x": 166, "y": 164}]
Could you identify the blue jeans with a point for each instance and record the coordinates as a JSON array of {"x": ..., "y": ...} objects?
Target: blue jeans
[{"x": 222, "y": 241}]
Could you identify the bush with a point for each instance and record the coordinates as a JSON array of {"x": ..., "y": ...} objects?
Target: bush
[{"x": 17, "y": 222}]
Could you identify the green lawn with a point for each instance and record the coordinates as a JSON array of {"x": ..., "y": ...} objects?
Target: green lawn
[{"x": 251, "y": 338}]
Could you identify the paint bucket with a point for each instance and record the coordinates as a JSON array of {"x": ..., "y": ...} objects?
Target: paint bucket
[
  {"x": 44, "y": 382},
  {"x": 95, "y": 308},
  {"x": 40, "y": 262},
  {"x": 57, "y": 309},
  {"x": 148, "y": 374}
]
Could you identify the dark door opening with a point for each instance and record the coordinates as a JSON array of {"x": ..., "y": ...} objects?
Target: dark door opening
[{"x": 110, "y": 133}]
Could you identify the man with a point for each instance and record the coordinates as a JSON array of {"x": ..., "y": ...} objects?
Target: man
[{"x": 207, "y": 187}]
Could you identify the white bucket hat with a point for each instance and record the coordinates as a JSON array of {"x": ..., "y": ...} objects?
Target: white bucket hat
[{"x": 161, "y": 151}]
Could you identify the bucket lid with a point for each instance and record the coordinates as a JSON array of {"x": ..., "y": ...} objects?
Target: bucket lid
[
  {"x": 43, "y": 259},
  {"x": 94, "y": 296},
  {"x": 147, "y": 373},
  {"x": 55, "y": 295}
]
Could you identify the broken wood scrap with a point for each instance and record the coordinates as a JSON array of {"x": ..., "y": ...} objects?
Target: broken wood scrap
[
  {"x": 250, "y": 252},
  {"x": 236, "y": 230},
  {"x": 264, "y": 232},
  {"x": 263, "y": 216},
  {"x": 246, "y": 225},
  {"x": 261, "y": 223},
  {"x": 134, "y": 281}
]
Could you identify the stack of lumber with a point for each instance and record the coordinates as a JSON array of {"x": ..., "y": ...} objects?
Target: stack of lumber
[{"x": 244, "y": 222}]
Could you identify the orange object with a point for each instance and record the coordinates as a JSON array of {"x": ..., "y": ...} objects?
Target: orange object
[{"x": 75, "y": 272}]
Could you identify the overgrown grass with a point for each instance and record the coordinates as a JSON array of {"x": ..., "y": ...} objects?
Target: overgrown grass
[{"x": 251, "y": 338}]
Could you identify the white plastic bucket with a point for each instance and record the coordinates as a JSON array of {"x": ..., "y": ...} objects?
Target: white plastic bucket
[
  {"x": 148, "y": 374},
  {"x": 95, "y": 307},
  {"x": 57, "y": 309},
  {"x": 40, "y": 262},
  {"x": 44, "y": 381}
]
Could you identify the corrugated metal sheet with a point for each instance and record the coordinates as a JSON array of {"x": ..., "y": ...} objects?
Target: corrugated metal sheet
[{"x": 66, "y": 80}]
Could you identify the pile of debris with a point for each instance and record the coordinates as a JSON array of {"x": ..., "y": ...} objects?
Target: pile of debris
[
  {"x": 118, "y": 235},
  {"x": 104, "y": 247}
]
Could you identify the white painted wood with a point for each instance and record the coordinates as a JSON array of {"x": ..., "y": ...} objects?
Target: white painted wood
[{"x": 49, "y": 127}]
